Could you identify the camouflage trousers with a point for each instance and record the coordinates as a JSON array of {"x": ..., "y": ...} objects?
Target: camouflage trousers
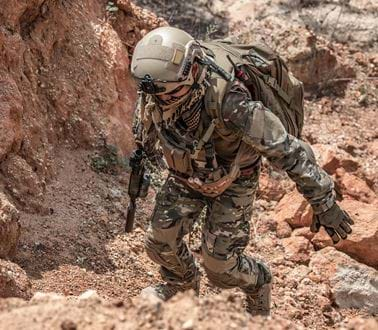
[{"x": 224, "y": 237}]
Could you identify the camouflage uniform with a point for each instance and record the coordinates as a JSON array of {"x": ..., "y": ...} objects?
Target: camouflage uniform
[{"x": 226, "y": 229}]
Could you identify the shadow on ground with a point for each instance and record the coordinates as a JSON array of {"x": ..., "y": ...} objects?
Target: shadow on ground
[{"x": 194, "y": 16}]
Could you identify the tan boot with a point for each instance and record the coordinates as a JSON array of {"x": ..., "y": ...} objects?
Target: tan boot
[
  {"x": 166, "y": 291},
  {"x": 258, "y": 302}
]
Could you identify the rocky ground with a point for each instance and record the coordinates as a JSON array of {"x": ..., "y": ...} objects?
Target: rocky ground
[{"x": 63, "y": 186}]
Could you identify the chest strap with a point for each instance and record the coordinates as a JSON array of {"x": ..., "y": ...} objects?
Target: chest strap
[{"x": 204, "y": 139}]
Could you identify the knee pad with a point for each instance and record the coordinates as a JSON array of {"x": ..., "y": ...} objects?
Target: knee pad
[
  {"x": 218, "y": 268},
  {"x": 223, "y": 273},
  {"x": 161, "y": 236},
  {"x": 215, "y": 263}
]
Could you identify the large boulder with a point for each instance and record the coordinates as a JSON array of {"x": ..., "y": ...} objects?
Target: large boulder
[
  {"x": 352, "y": 284},
  {"x": 13, "y": 281},
  {"x": 310, "y": 57},
  {"x": 361, "y": 323},
  {"x": 362, "y": 243},
  {"x": 10, "y": 228}
]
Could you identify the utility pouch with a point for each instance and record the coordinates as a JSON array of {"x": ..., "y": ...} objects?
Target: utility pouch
[{"x": 177, "y": 159}]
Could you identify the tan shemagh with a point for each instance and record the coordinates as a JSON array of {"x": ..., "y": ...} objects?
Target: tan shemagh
[{"x": 171, "y": 113}]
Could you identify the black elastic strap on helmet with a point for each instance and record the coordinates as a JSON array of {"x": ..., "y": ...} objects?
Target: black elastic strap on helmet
[{"x": 147, "y": 85}]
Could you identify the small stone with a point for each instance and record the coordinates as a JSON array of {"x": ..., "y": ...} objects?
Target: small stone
[
  {"x": 188, "y": 325},
  {"x": 90, "y": 295},
  {"x": 68, "y": 325}
]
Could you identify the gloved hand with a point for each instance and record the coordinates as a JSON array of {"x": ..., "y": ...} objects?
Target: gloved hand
[{"x": 336, "y": 222}]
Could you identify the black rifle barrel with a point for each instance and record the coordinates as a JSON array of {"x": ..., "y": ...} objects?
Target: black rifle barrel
[
  {"x": 130, "y": 216},
  {"x": 135, "y": 182}
]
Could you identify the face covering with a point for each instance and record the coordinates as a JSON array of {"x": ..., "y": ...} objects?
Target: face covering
[{"x": 188, "y": 107}]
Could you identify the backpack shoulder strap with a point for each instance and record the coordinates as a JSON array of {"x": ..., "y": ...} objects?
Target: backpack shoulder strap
[
  {"x": 219, "y": 86},
  {"x": 213, "y": 98}
]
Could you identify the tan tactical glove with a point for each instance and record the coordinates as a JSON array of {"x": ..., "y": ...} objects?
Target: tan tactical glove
[{"x": 336, "y": 222}]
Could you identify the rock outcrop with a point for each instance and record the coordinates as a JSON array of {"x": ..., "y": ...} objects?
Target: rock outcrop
[
  {"x": 13, "y": 281},
  {"x": 308, "y": 55},
  {"x": 64, "y": 80},
  {"x": 353, "y": 285}
]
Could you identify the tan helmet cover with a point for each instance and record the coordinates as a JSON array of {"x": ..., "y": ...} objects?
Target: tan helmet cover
[{"x": 166, "y": 54}]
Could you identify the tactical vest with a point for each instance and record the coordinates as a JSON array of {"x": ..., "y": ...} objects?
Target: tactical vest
[{"x": 267, "y": 78}]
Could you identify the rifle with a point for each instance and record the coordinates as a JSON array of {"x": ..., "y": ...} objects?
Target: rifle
[{"x": 138, "y": 186}]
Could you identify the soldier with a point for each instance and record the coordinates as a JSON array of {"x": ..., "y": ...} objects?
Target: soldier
[{"x": 211, "y": 121}]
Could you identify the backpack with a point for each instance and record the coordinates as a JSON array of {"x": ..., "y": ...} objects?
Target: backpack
[{"x": 263, "y": 72}]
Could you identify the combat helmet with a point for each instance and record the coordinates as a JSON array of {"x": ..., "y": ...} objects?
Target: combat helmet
[{"x": 163, "y": 59}]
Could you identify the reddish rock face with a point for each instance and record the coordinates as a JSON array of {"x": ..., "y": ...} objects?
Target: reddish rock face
[
  {"x": 9, "y": 228},
  {"x": 362, "y": 243},
  {"x": 353, "y": 285},
  {"x": 64, "y": 80},
  {"x": 10, "y": 116},
  {"x": 22, "y": 181}
]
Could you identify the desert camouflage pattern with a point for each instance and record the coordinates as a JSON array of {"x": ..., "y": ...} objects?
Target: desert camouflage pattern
[
  {"x": 226, "y": 229},
  {"x": 263, "y": 131},
  {"x": 225, "y": 235}
]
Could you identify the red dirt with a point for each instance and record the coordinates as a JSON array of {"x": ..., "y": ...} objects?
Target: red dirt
[{"x": 72, "y": 217}]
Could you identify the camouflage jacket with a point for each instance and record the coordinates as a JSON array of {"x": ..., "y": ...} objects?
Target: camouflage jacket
[{"x": 248, "y": 121}]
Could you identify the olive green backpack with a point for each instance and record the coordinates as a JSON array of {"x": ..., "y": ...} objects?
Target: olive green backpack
[{"x": 263, "y": 72}]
